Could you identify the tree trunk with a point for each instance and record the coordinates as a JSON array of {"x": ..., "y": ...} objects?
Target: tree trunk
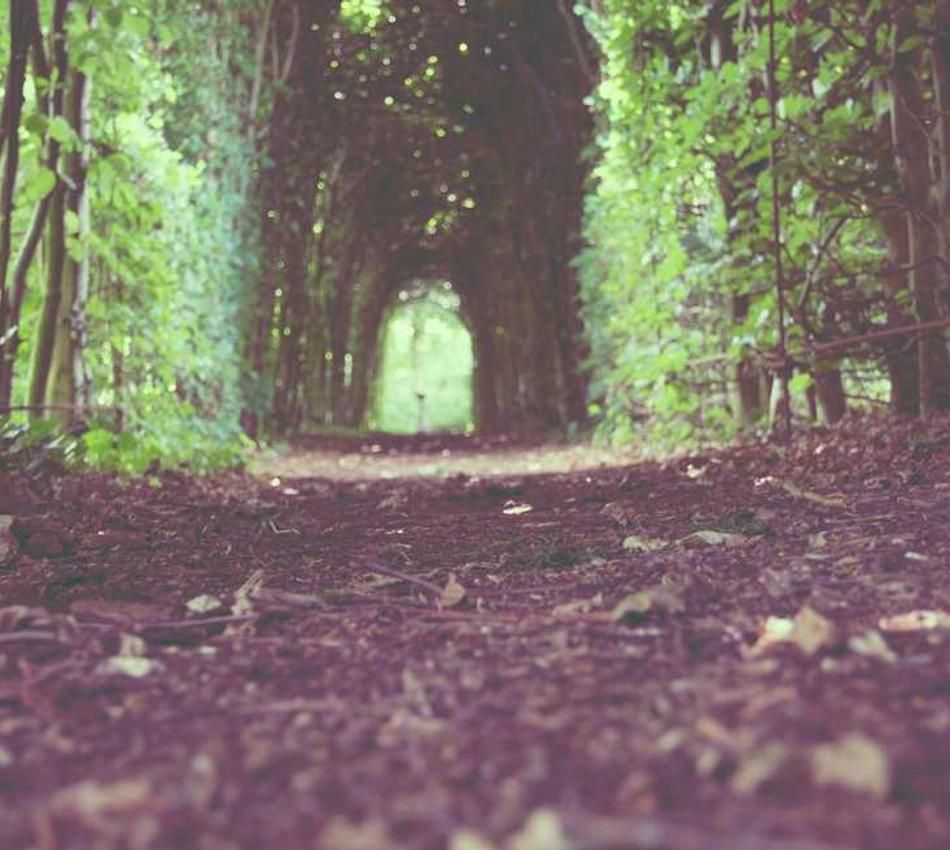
[
  {"x": 118, "y": 365},
  {"x": 829, "y": 390},
  {"x": 34, "y": 234},
  {"x": 78, "y": 203},
  {"x": 21, "y": 27},
  {"x": 52, "y": 326},
  {"x": 900, "y": 355},
  {"x": 912, "y": 149},
  {"x": 940, "y": 68}
]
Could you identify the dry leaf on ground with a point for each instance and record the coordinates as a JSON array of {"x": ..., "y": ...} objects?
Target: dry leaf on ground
[
  {"x": 543, "y": 830},
  {"x": 854, "y": 762},
  {"x": 8, "y": 543},
  {"x": 453, "y": 594},
  {"x": 657, "y": 599},
  {"x": 871, "y": 644},
  {"x": 343, "y": 834},
  {"x": 915, "y": 621},
  {"x": 808, "y": 630},
  {"x": 635, "y": 543},
  {"x": 204, "y": 604},
  {"x": 758, "y": 767},
  {"x": 709, "y": 537},
  {"x": 467, "y": 839}
]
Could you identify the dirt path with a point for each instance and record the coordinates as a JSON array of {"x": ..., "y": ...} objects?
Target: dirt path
[{"x": 568, "y": 661}]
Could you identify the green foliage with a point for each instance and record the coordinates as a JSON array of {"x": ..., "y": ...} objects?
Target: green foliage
[
  {"x": 173, "y": 248},
  {"x": 362, "y": 15},
  {"x": 678, "y": 276},
  {"x": 172, "y": 444},
  {"x": 427, "y": 351}
]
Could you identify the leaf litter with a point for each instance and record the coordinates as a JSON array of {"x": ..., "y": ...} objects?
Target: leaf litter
[{"x": 671, "y": 655}]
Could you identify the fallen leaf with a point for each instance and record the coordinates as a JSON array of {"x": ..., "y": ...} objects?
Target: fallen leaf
[
  {"x": 633, "y": 543},
  {"x": 709, "y": 537},
  {"x": 655, "y": 599},
  {"x": 808, "y": 630},
  {"x": 8, "y": 543},
  {"x": 466, "y": 839},
  {"x": 758, "y": 767},
  {"x": 453, "y": 594},
  {"x": 854, "y": 762},
  {"x": 92, "y": 803},
  {"x": 915, "y": 621},
  {"x": 543, "y": 830},
  {"x": 343, "y": 834},
  {"x": 916, "y": 556},
  {"x": 871, "y": 644},
  {"x": 132, "y": 646},
  {"x": 578, "y": 606},
  {"x": 129, "y": 665},
  {"x": 204, "y": 604}
]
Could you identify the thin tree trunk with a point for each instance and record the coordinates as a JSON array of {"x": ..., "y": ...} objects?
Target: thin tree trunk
[
  {"x": 34, "y": 234},
  {"x": 21, "y": 12},
  {"x": 78, "y": 377},
  {"x": 912, "y": 148},
  {"x": 751, "y": 389},
  {"x": 50, "y": 327},
  {"x": 940, "y": 67},
  {"x": 900, "y": 355},
  {"x": 118, "y": 365},
  {"x": 829, "y": 391}
]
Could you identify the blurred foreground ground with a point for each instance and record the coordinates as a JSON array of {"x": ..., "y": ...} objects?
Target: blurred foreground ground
[{"x": 746, "y": 650}]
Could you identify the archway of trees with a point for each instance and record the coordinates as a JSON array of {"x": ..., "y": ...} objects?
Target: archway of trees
[
  {"x": 205, "y": 210},
  {"x": 446, "y": 139}
]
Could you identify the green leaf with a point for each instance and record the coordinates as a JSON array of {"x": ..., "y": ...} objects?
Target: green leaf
[
  {"x": 910, "y": 44},
  {"x": 60, "y": 130},
  {"x": 37, "y": 185},
  {"x": 800, "y": 382},
  {"x": 137, "y": 25},
  {"x": 35, "y": 124}
]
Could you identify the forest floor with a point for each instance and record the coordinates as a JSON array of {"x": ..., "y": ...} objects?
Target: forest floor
[{"x": 522, "y": 649}]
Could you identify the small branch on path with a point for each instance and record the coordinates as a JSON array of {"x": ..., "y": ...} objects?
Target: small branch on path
[
  {"x": 176, "y": 625},
  {"x": 32, "y": 636},
  {"x": 376, "y": 567}
]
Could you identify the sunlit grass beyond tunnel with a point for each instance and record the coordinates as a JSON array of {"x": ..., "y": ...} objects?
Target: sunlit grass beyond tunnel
[{"x": 425, "y": 379}]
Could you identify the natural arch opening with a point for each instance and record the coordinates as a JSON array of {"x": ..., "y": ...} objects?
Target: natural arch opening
[{"x": 427, "y": 364}]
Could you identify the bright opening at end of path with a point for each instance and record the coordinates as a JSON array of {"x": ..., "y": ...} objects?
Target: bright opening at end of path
[{"x": 425, "y": 381}]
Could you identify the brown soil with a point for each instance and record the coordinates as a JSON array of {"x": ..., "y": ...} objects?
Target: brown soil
[{"x": 575, "y": 660}]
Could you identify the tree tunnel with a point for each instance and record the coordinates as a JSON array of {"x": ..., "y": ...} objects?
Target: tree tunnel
[{"x": 444, "y": 144}]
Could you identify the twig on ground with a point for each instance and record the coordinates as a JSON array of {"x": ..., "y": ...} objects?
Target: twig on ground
[
  {"x": 31, "y": 636},
  {"x": 376, "y": 567},
  {"x": 175, "y": 625}
]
